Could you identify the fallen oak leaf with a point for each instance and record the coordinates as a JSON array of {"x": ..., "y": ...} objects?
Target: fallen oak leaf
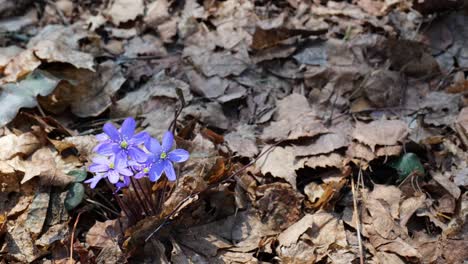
[{"x": 47, "y": 165}]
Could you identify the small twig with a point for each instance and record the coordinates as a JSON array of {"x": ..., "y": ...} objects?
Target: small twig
[
  {"x": 70, "y": 260},
  {"x": 103, "y": 206},
  {"x": 358, "y": 222},
  {"x": 175, "y": 210}
]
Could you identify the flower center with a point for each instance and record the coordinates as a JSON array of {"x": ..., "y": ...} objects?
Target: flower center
[
  {"x": 111, "y": 165},
  {"x": 163, "y": 155},
  {"x": 123, "y": 144},
  {"x": 145, "y": 170}
]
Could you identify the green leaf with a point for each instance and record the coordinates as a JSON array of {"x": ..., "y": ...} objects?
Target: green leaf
[
  {"x": 407, "y": 164},
  {"x": 14, "y": 96},
  {"x": 80, "y": 175},
  {"x": 74, "y": 196}
]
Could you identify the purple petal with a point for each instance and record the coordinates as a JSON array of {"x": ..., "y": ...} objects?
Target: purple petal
[
  {"x": 139, "y": 138},
  {"x": 140, "y": 175},
  {"x": 102, "y": 137},
  {"x": 126, "y": 172},
  {"x": 98, "y": 168},
  {"x": 93, "y": 181},
  {"x": 168, "y": 140},
  {"x": 156, "y": 171},
  {"x": 106, "y": 148},
  {"x": 113, "y": 176},
  {"x": 169, "y": 170},
  {"x": 153, "y": 146},
  {"x": 101, "y": 160},
  {"x": 111, "y": 131},
  {"x": 125, "y": 183},
  {"x": 128, "y": 128},
  {"x": 137, "y": 154},
  {"x": 178, "y": 155}
]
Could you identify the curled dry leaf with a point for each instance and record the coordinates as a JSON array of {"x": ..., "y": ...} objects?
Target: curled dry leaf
[
  {"x": 242, "y": 141},
  {"x": 14, "y": 96},
  {"x": 279, "y": 162},
  {"x": 279, "y": 205},
  {"x": 104, "y": 234},
  {"x": 322, "y": 229},
  {"x": 6, "y": 54},
  {"x": 22, "y": 145},
  {"x": 294, "y": 119},
  {"x": 46, "y": 164},
  {"x": 54, "y": 43},
  {"x": 381, "y": 132},
  {"x": 125, "y": 10}
]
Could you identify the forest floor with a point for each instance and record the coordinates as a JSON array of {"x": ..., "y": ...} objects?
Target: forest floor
[{"x": 318, "y": 131}]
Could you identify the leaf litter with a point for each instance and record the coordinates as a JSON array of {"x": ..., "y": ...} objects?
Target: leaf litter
[{"x": 319, "y": 132}]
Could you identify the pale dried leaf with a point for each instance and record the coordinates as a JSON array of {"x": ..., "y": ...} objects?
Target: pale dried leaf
[
  {"x": 444, "y": 181},
  {"x": 280, "y": 162},
  {"x": 43, "y": 163},
  {"x": 389, "y": 196},
  {"x": 322, "y": 145},
  {"x": 103, "y": 234},
  {"x": 8, "y": 53},
  {"x": 323, "y": 161},
  {"x": 242, "y": 141},
  {"x": 125, "y": 10},
  {"x": 23, "y": 145},
  {"x": 381, "y": 132}
]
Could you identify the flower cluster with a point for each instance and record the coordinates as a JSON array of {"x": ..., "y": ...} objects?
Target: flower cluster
[{"x": 122, "y": 154}]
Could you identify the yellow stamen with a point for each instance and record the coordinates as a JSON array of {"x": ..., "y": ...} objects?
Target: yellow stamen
[{"x": 163, "y": 155}]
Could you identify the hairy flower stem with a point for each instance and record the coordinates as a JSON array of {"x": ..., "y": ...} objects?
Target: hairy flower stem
[
  {"x": 161, "y": 194},
  {"x": 127, "y": 210},
  {"x": 137, "y": 194},
  {"x": 148, "y": 200}
]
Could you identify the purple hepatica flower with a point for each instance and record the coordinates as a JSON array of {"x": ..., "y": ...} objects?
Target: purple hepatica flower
[
  {"x": 112, "y": 168},
  {"x": 122, "y": 142},
  {"x": 161, "y": 159}
]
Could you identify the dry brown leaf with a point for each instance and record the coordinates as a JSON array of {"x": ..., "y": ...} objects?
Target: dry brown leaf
[
  {"x": 388, "y": 151},
  {"x": 19, "y": 66},
  {"x": 321, "y": 229},
  {"x": 23, "y": 231},
  {"x": 381, "y": 132},
  {"x": 409, "y": 206},
  {"x": 322, "y": 145},
  {"x": 381, "y": 222},
  {"x": 47, "y": 165},
  {"x": 84, "y": 144},
  {"x": 389, "y": 196},
  {"x": 279, "y": 205},
  {"x": 57, "y": 43},
  {"x": 146, "y": 98},
  {"x": 125, "y": 10},
  {"x": 294, "y": 119},
  {"x": 209, "y": 87},
  {"x": 242, "y": 141},
  {"x": 444, "y": 180},
  {"x": 211, "y": 114},
  {"x": 8, "y": 53},
  {"x": 323, "y": 161},
  {"x": 443, "y": 108},
  {"x": 103, "y": 234},
  {"x": 22, "y": 145},
  {"x": 462, "y": 119},
  {"x": 157, "y": 13},
  {"x": 360, "y": 151},
  {"x": 280, "y": 162}
]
